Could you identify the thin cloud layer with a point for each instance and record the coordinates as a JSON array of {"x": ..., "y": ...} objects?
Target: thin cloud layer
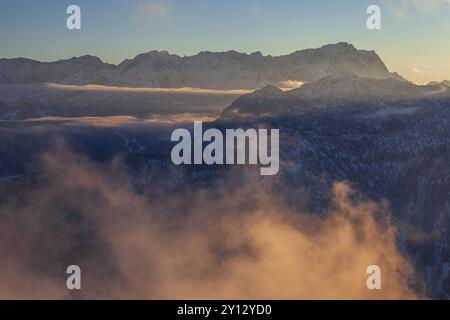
[{"x": 187, "y": 90}]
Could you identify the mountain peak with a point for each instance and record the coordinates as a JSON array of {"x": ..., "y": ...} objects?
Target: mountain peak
[
  {"x": 257, "y": 54},
  {"x": 154, "y": 54},
  {"x": 89, "y": 59},
  {"x": 269, "y": 89},
  {"x": 337, "y": 47}
]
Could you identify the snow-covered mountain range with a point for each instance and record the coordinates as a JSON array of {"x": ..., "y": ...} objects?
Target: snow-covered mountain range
[
  {"x": 339, "y": 90},
  {"x": 352, "y": 120},
  {"x": 216, "y": 70}
]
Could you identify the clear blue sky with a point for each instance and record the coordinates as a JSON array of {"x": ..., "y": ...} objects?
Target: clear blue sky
[{"x": 414, "y": 40}]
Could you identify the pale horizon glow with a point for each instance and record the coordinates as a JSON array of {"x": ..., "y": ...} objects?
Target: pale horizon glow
[{"x": 414, "y": 34}]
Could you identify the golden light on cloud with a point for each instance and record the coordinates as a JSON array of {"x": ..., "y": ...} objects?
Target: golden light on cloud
[
  {"x": 117, "y": 121},
  {"x": 186, "y": 90},
  {"x": 291, "y": 84},
  {"x": 216, "y": 248}
]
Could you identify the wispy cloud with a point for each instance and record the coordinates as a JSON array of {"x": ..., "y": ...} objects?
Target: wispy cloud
[
  {"x": 153, "y": 10},
  {"x": 402, "y": 8},
  {"x": 430, "y": 6},
  {"x": 254, "y": 8}
]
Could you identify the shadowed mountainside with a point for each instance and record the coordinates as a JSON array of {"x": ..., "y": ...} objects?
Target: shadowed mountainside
[{"x": 339, "y": 91}]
